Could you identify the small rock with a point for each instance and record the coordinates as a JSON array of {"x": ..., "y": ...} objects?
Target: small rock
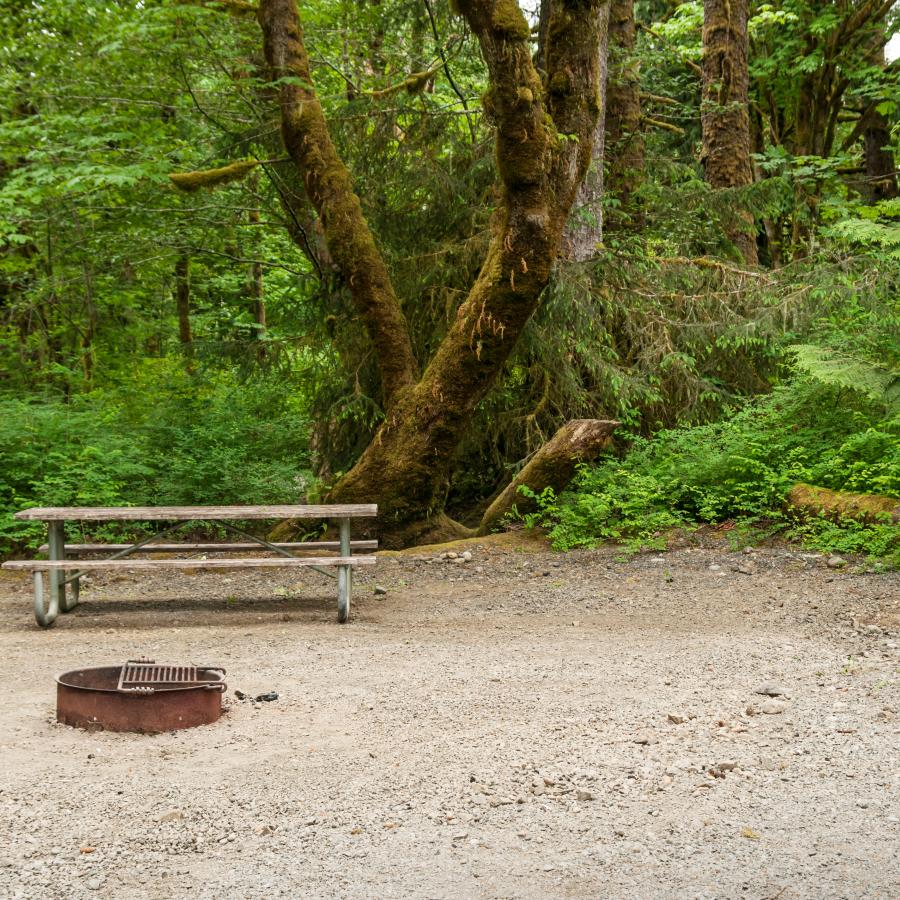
[
  {"x": 729, "y": 765},
  {"x": 771, "y": 689},
  {"x": 379, "y": 590},
  {"x": 467, "y": 555},
  {"x": 836, "y": 562},
  {"x": 460, "y": 835},
  {"x": 450, "y": 554},
  {"x": 584, "y": 796},
  {"x": 772, "y": 707},
  {"x": 744, "y": 569},
  {"x": 675, "y": 719},
  {"x": 94, "y": 884},
  {"x": 173, "y": 815},
  {"x": 263, "y": 830}
]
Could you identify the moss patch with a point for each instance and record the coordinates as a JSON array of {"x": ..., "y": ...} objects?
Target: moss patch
[{"x": 509, "y": 20}]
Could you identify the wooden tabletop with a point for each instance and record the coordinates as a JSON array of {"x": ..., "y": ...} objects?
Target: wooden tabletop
[{"x": 188, "y": 513}]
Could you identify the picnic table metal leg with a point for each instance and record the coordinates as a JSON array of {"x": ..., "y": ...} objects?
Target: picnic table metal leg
[
  {"x": 57, "y": 578},
  {"x": 345, "y": 574},
  {"x": 44, "y": 618}
]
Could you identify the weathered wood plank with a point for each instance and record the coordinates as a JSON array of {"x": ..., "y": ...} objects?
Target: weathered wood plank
[
  {"x": 200, "y": 548},
  {"x": 189, "y": 513},
  {"x": 45, "y": 565}
]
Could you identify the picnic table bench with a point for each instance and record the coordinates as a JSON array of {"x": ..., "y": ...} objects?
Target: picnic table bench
[{"x": 65, "y": 565}]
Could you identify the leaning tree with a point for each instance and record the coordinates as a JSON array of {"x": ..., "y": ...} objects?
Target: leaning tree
[{"x": 544, "y": 124}]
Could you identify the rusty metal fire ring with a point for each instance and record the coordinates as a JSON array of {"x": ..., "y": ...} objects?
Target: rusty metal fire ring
[{"x": 140, "y": 696}]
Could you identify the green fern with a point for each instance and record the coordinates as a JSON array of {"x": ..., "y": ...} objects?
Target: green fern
[
  {"x": 867, "y": 233},
  {"x": 831, "y": 367}
]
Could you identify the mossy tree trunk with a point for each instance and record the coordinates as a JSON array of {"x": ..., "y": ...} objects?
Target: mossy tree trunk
[
  {"x": 724, "y": 111},
  {"x": 330, "y": 190},
  {"x": 881, "y": 168},
  {"x": 624, "y": 139},
  {"x": 544, "y": 136}
]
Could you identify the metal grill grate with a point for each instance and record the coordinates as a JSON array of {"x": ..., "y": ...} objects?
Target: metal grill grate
[{"x": 145, "y": 676}]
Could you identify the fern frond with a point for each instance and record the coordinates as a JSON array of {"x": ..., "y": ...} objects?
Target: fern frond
[{"x": 831, "y": 367}]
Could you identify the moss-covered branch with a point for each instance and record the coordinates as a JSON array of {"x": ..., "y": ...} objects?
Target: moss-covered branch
[
  {"x": 330, "y": 190},
  {"x": 211, "y": 178},
  {"x": 412, "y": 84}
]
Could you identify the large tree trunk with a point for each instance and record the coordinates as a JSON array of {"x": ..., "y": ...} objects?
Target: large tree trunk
[
  {"x": 543, "y": 149},
  {"x": 624, "y": 140},
  {"x": 585, "y": 230},
  {"x": 553, "y": 466},
  {"x": 724, "y": 112},
  {"x": 881, "y": 174}
]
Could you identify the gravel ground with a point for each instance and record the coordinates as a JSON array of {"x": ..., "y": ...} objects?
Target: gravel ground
[{"x": 524, "y": 724}]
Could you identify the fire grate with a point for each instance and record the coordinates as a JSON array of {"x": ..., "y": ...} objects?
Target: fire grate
[{"x": 144, "y": 675}]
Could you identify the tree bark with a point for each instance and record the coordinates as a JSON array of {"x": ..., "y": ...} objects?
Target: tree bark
[
  {"x": 553, "y": 466},
  {"x": 585, "y": 230},
  {"x": 724, "y": 111},
  {"x": 624, "y": 140},
  {"x": 881, "y": 175},
  {"x": 544, "y": 140}
]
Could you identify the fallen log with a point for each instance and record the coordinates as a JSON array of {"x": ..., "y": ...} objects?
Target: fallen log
[
  {"x": 809, "y": 500},
  {"x": 554, "y": 465}
]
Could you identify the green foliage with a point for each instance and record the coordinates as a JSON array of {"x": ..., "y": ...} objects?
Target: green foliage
[
  {"x": 825, "y": 365},
  {"x": 163, "y": 438},
  {"x": 740, "y": 469}
]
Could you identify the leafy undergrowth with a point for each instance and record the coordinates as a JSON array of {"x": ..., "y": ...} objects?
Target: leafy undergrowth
[
  {"x": 740, "y": 469},
  {"x": 165, "y": 438}
]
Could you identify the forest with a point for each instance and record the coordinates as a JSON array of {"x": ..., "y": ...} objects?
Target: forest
[{"x": 398, "y": 251}]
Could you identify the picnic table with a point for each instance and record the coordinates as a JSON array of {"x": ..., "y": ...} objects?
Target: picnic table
[{"x": 65, "y": 565}]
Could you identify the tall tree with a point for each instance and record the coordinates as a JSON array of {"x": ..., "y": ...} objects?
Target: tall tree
[
  {"x": 585, "y": 229},
  {"x": 724, "y": 112},
  {"x": 544, "y": 136},
  {"x": 881, "y": 168},
  {"x": 624, "y": 139}
]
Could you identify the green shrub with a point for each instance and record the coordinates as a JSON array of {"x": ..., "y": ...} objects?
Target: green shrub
[
  {"x": 740, "y": 469},
  {"x": 164, "y": 438}
]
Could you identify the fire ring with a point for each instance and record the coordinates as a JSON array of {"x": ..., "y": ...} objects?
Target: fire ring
[{"x": 140, "y": 696}]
